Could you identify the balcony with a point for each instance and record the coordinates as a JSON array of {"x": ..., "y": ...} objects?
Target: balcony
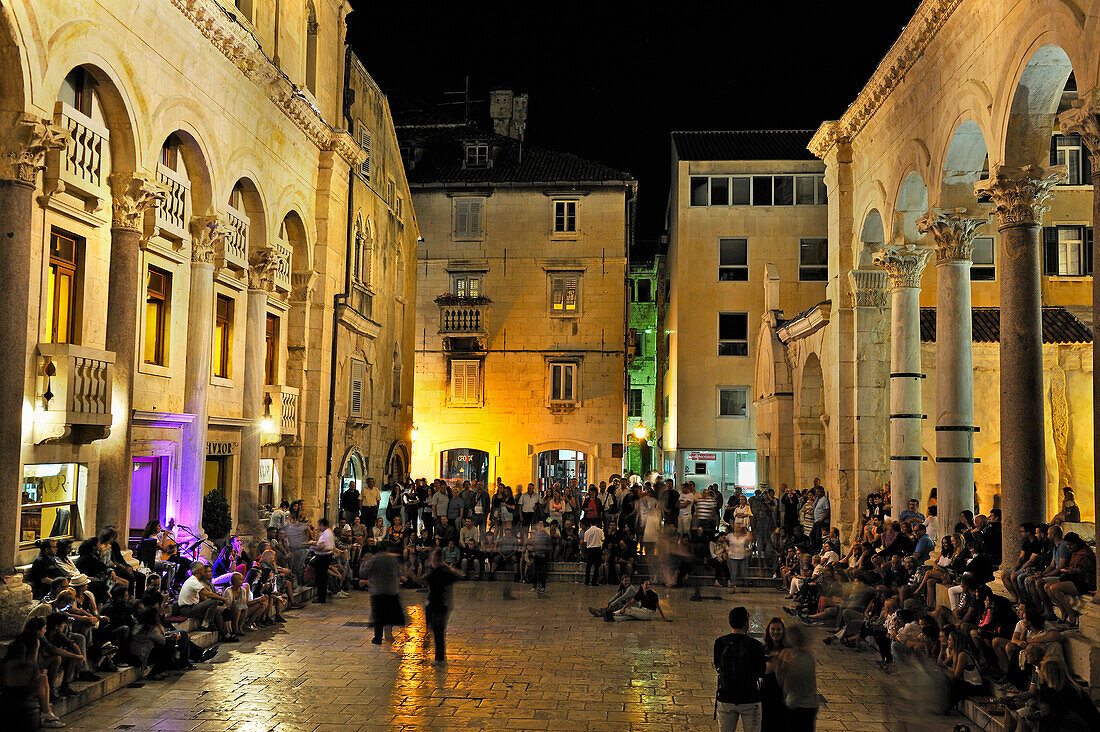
[
  {"x": 462, "y": 322},
  {"x": 81, "y": 168},
  {"x": 281, "y": 407},
  {"x": 73, "y": 393},
  {"x": 236, "y": 246},
  {"x": 281, "y": 276},
  {"x": 169, "y": 219}
]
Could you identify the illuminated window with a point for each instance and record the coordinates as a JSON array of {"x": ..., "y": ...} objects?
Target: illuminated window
[
  {"x": 157, "y": 288},
  {"x": 565, "y": 217},
  {"x": 356, "y": 382},
  {"x": 61, "y": 291},
  {"x": 271, "y": 356},
  {"x": 223, "y": 335},
  {"x": 1067, "y": 150},
  {"x": 564, "y": 292},
  {"x": 466, "y": 285}
]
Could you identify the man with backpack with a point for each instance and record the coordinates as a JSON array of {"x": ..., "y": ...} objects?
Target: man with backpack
[{"x": 739, "y": 661}]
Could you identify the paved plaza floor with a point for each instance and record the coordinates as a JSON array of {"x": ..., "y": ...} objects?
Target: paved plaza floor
[{"x": 524, "y": 665}]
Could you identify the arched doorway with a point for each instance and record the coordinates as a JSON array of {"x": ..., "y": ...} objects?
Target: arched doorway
[
  {"x": 809, "y": 431},
  {"x": 561, "y": 466},
  {"x": 353, "y": 474}
]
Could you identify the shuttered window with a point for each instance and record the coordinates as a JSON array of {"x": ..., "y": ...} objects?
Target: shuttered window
[
  {"x": 464, "y": 382},
  {"x": 364, "y": 142},
  {"x": 1067, "y": 250},
  {"x": 564, "y": 292},
  {"x": 468, "y": 218},
  {"x": 356, "y": 379}
]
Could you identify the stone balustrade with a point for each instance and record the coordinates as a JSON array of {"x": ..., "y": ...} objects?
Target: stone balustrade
[
  {"x": 462, "y": 319},
  {"x": 74, "y": 393},
  {"x": 283, "y": 410},
  {"x": 280, "y": 275},
  {"x": 81, "y": 167},
  {"x": 169, "y": 219},
  {"x": 236, "y": 245}
]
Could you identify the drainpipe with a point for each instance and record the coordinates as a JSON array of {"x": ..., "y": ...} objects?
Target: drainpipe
[{"x": 342, "y": 297}]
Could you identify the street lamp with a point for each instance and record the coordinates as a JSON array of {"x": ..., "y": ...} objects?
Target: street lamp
[
  {"x": 413, "y": 432},
  {"x": 640, "y": 431}
]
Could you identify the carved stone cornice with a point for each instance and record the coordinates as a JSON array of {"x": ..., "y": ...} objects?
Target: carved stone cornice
[
  {"x": 1081, "y": 120},
  {"x": 132, "y": 194},
  {"x": 1020, "y": 194},
  {"x": 261, "y": 268},
  {"x": 208, "y": 237},
  {"x": 904, "y": 264},
  {"x": 25, "y": 145},
  {"x": 240, "y": 47},
  {"x": 953, "y": 233},
  {"x": 868, "y": 288},
  {"x": 929, "y": 18}
]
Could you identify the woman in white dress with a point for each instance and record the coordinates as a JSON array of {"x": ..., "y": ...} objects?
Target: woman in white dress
[{"x": 650, "y": 521}]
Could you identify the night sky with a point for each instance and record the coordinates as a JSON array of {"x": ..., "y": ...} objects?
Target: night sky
[{"x": 609, "y": 81}]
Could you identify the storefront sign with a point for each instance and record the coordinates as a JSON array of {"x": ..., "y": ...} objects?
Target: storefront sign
[
  {"x": 222, "y": 448},
  {"x": 267, "y": 470},
  {"x": 702, "y": 456}
]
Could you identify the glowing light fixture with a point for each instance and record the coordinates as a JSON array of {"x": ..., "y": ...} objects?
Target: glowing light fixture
[
  {"x": 413, "y": 432},
  {"x": 640, "y": 431}
]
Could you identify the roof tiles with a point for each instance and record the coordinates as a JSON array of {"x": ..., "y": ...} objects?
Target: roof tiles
[
  {"x": 1059, "y": 326},
  {"x": 742, "y": 145}
]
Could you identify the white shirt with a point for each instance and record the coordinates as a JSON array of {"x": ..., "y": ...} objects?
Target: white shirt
[
  {"x": 243, "y": 597},
  {"x": 593, "y": 537},
  {"x": 685, "y": 510},
  {"x": 189, "y": 593},
  {"x": 326, "y": 543},
  {"x": 527, "y": 502},
  {"x": 738, "y": 546}
]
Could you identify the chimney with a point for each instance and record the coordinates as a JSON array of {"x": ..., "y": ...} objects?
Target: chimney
[{"x": 508, "y": 112}]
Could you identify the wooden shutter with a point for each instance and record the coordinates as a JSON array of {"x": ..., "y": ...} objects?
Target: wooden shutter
[
  {"x": 358, "y": 374},
  {"x": 475, "y": 217},
  {"x": 1087, "y": 264},
  {"x": 364, "y": 142},
  {"x": 1050, "y": 249},
  {"x": 462, "y": 218},
  {"x": 464, "y": 382},
  {"x": 1054, "y": 139}
]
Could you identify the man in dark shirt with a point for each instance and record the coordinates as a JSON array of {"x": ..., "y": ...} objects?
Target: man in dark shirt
[
  {"x": 447, "y": 533},
  {"x": 44, "y": 569},
  {"x": 739, "y": 661},
  {"x": 349, "y": 502},
  {"x": 1031, "y": 549},
  {"x": 439, "y": 577}
]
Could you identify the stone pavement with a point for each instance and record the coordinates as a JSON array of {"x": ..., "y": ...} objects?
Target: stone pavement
[{"x": 523, "y": 665}]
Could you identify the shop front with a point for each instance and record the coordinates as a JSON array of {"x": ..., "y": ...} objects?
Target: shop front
[
  {"x": 730, "y": 469},
  {"x": 463, "y": 463},
  {"x": 50, "y": 501},
  {"x": 561, "y": 466}
]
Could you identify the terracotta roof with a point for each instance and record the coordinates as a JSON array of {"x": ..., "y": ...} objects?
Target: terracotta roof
[
  {"x": 439, "y": 151},
  {"x": 1059, "y": 326},
  {"x": 742, "y": 145}
]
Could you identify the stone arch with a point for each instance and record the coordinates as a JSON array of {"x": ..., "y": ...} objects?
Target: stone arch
[
  {"x": 872, "y": 237},
  {"x": 13, "y": 67},
  {"x": 965, "y": 160},
  {"x": 112, "y": 107},
  {"x": 911, "y": 204},
  {"x": 1029, "y": 120},
  {"x": 809, "y": 445},
  {"x": 293, "y": 230},
  {"x": 245, "y": 196},
  {"x": 196, "y": 165}
]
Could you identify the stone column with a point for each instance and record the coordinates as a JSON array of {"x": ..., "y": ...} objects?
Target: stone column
[
  {"x": 132, "y": 194},
  {"x": 1019, "y": 196},
  {"x": 207, "y": 241},
  {"x": 870, "y": 392},
  {"x": 262, "y": 265},
  {"x": 953, "y": 235},
  {"x": 24, "y": 150},
  {"x": 904, "y": 265},
  {"x": 1081, "y": 120}
]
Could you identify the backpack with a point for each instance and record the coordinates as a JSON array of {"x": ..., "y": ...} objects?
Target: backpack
[{"x": 734, "y": 656}]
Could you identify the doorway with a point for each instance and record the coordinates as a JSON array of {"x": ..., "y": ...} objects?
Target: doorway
[
  {"x": 561, "y": 466},
  {"x": 148, "y": 492}
]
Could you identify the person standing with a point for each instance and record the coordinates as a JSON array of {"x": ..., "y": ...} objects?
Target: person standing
[
  {"x": 740, "y": 663},
  {"x": 370, "y": 498},
  {"x": 797, "y": 675},
  {"x": 323, "y": 547},
  {"x": 539, "y": 545},
  {"x": 440, "y": 578},
  {"x": 349, "y": 504},
  {"x": 821, "y": 513},
  {"x": 686, "y": 505},
  {"x": 593, "y": 552},
  {"x": 384, "y": 578}
]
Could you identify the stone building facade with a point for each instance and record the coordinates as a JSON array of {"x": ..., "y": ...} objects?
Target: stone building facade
[
  {"x": 744, "y": 206},
  {"x": 173, "y": 260},
  {"x": 942, "y": 193},
  {"x": 521, "y": 310},
  {"x": 643, "y": 364}
]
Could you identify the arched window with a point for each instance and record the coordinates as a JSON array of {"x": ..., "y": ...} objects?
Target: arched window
[
  {"x": 311, "y": 48},
  {"x": 396, "y": 386}
]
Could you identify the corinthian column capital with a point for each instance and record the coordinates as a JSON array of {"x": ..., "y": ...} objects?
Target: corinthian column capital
[
  {"x": 1020, "y": 194},
  {"x": 132, "y": 194},
  {"x": 1080, "y": 119},
  {"x": 25, "y": 145},
  {"x": 261, "y": 268},
  {"x": 904, "y": 264},
  {"x": 953, "y": 232},
  {"x": 208, "y": 237}
]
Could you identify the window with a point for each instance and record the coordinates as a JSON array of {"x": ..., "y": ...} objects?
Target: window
[
  {"x": 643, "y": 291},
  {"x": 311, "y": 47},
  {"x": 76, "y": 91},
  {"x": 466, "y": 285},
  {"x": 356, "y": 379},
  {"x": 1068, "y": 250},
  {"x": 565, "y": 217},
  {"x": 271, "y": 353},
  {"x": 699, "y": 191},
  {"x": 48, "y": 505},
  {"x": 364, "y": 142},
  {"x": 983, "y": 269},
  {"x": 733, "y": 334},
  {"x": 719, "y": 191},
  {"x": 395, "y": 386},
  {"x": 1067, "y": 150},
  {"x": 61, "y": 293},
  {"x": 741, "y": 190},
  {"x": 563, "y": 292},
  {"x": 563, "y": 381},
  {"x": 245, "y": 6},
  {"x": 634, "y": 409},
  {"x": 784, "y": 190},
  {"x": 465, "y": 382},
  {"x": 477, "y": 155},
  {"x": 813, "y": 260},
  {"x": 733, "y": 401},
  {"x": 733, "y": 260},
  {"x": 223, "y": 335},
  {"x": 157, "y": 288},
  {"x": 391, "y": 194},
  {"x": 468, "y": 218},
  {"x": 761, "y": 190},
  {"x": 804, "y": 190}
]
